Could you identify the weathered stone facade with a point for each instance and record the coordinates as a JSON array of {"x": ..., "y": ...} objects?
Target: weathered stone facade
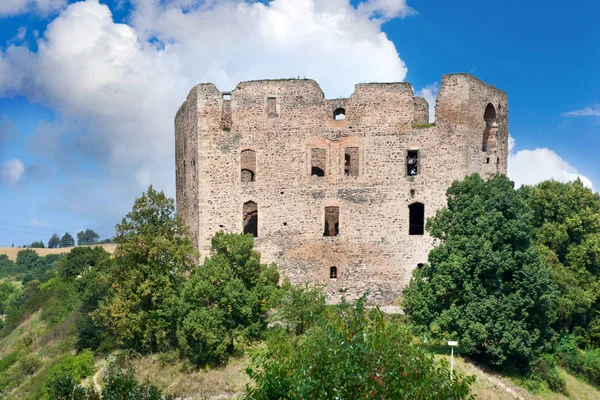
[{"x": 337, "y": 191}]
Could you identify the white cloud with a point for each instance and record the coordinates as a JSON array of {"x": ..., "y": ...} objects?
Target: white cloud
[
  {"x": 16, "y": 7},
  {"x": 592, "y": 111},
  {"x": 116, "y": 87},
  {"x": 529, "y": 167},
  {"x": 11, "y": 171},
  {"x": 430, "y": 93}
]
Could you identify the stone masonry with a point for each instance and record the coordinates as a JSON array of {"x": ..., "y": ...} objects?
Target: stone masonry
[{"x": 335, "y": 191}]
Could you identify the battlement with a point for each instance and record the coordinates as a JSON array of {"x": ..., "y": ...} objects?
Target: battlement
[{"x": 336, "y": 191}]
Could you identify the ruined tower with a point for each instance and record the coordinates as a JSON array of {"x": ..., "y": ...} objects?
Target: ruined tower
[{"x": 336, "y": 191}]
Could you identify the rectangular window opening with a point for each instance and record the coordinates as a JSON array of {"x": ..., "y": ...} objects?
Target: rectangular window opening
[
  {"x": 351, "y": 161},
  {"x": 332, "y": 221},
  {"x": 227, "y": 97},
  {"x": 412, "y": 162},
  {"x": 272, "y": 107},
  {"x": 317, "y": 162}
]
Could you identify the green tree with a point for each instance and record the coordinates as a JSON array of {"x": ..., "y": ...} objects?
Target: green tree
[
  {"x": 567, "y": 221},
  {"x": 87, "y": 237},
  {"x": 7, "y": 292},
  {"x": 54, "y": 241},
  {"x": 66, "y": 241},
  {"x": 226, "y": 298},
  {"x": 37, "y": 245},
  {"x": 485, "y": 285},
  {"x": 80, "y": 259},
  {"x": 146, "y": 275},
  {"x": 355, "y": 354},
  {"x": 300, "y": 306}
]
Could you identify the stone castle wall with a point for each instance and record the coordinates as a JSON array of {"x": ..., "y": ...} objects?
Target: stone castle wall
[{"x": 256, "y": 155}]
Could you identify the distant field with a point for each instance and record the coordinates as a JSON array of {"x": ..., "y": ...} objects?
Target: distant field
[{"x": 11, "y": 252}]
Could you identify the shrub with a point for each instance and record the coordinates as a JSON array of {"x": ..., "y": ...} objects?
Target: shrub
[
  {"x": 29, "y": 365},
  {"x": 583, "y": 362},
  {"x": 300, "y": 306},
  {"x": 67, "y": 373},
  {"x": 354, "y": 355}
]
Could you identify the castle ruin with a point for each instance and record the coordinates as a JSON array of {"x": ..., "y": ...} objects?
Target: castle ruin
[{"x": 337, "y": 191}]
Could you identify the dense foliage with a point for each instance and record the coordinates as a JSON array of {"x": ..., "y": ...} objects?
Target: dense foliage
[
  {"x": 82, "y": 259},
  {"x": 355, "y": 354},
  {"x": 225, "y": 299},
  {"x": 147, "y": 275},
  {"x": 300, "y": 306},
  {"x": 567, "y": 221},
  {"x": 485, "y": 285}
]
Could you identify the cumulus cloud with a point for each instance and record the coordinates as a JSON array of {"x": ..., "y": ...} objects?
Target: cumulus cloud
[
  {"x": 430, "y": 93},
  {"x": 16, "y": 7},
  {"x": 116, "y": 87},
  {"x": 11, "y": 171},
  {"x": 592, "y": 111},
  {"x": 529, "y": 167}
]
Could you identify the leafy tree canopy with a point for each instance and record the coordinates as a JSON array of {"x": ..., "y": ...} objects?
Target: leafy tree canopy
[
  {"x": 37, "y": 245},
  {"x": 355, "y": 354},
  {"x": 485, "y": 285},
  {"x": 87, "y": 237},
  {"x": 54, "y": 241},
  {"x": 566, "y": 217},
  {"x": 66, "y": 241},
  {"x": 224, "y": 299},
  {"x": 147, "y": 274},
  {"x": 80, "y": 259}
]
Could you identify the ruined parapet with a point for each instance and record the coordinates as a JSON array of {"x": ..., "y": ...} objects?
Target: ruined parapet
[{"x": 421, "y": 111}]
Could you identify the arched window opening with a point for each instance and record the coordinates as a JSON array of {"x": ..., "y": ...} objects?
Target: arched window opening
[
  {"x": 351, "y": 161},
  {"x": 248, "y": 158},
  {"x": 332, "y": 221},
  {"x": 333, "y": 272},
  {"x": 339, "y": 114},
  {"x": 416, "y": 219},
  {"x": 489, "y": 117},
  {"x": 251, "y": 218},
  {"x": 317, "y": 162},
  {"x": 420, "y": 265}
]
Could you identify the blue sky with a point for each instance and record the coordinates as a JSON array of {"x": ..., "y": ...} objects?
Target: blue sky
[{"x": 88, "y": 90}]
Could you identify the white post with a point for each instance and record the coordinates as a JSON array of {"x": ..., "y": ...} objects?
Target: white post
[
  {"x": 452, "y": 343},
  {"x": 451, "y": 361}
]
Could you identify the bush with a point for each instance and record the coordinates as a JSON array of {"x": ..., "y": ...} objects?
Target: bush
[
  {"x": 547, "y": 371},
  {"x": 354, "y": 355},
  {"x": 582, "y": 362},
  {"x": 29, "y": 365},
  {"x": 65, "y": 374},
  {"x": 300, "y": 306},
  {"x": 119, "y": 383}
]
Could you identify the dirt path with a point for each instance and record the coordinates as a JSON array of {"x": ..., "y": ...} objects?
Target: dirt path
[{"x": 97, "y": 385}]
